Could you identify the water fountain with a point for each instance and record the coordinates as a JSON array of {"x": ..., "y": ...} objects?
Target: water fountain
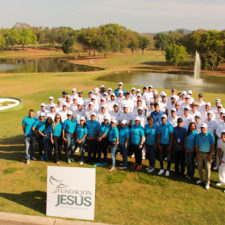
[{"x": 197, "y": 67}]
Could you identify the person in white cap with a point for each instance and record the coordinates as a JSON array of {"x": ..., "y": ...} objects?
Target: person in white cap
[
  {"x": 141, "y": 114},
  {"x": 63, "y": 112},
  {"x": 211, "y": 123},
  {"x": 68, "y": 136},
  {"x": 125, "y": 115},
  {"x": 95, "y": 103},
  {"x": 58, "y": 108},
  {"x": 180, "y": 113},
  {"x": 173, "y": 118},
  {"x": 103, "y": 138},
  {"x": 204, "y": 113},
  {"x": 116, "y": 113},
  {"x": 42, "y": 110},
  {"x": 164, "y": 142},
  {"x": 89, "y": 111},
  {"x": 124, "y": 137},
  {"x": 80, "y": 96},
  {"x": 68, "y": 101},
  {"x": 201, "y": 103},
  {"x": 120, "y": 87},
  {"x": 170, "y": 104},
  {"x": 182, "y": 97},
  {"x": 79, "y": 112},
  {"x": 219, "y": 114},
  {"x": 80, "y": 136},
  {"x": 187, "y": 118},
  {"x": 127, "y": 101},
  {"x": 217, "y": 102},
  {"x": 186, "y": 103},
  {"x": 204, "y": 151},
  {"x": 198, "y": 123},
  {"x": 102, "y": 114},
  {"x": 111, "y": 102},
  {"x": 88, "y": 99},
  {"x": 190, "y": 94},
  {"x": 137, "y": 139},
  {"x": 74, "y": 93},
  {"x": 163, "y": 102},
  {"x": 147, "y": 96},
  {"x": 194, "y": 110},
  {"x": 133, "y": 94},
  {"x": 109, "y": 91},
  {"x": 52, "y": 113},
  {"x": 50, "y": 103},
  {"x": 120, "y": 98},
  {"x": 221, "y": 154},
  {"x": 73, "y": 106},
  {"x": 113, "y": 137}
]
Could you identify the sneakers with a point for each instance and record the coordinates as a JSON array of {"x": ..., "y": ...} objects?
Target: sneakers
[
  {"x": 215, "y": 168},
  {"x": 123, "y": 168},
  {"x": 139, "y": 168},
  {"x": 167, "y": 173},
  {"x": 219, "y": 184},
  {"x": 68, "y": 161},
  {"x": 112, "y": 169},
  {"x": 28, "y": 162},
  {"x": 151, "y": 170},
  {"x": 207, "y": 187},
  {"x": 198, "y": 181},
  {"x": 121, "y": 164},
  {"x": 161, "y": 172},
  {"x": 132, "y": 156},
  {"x": 81, "y": 163},
  {"x": 33, "y": 158}
]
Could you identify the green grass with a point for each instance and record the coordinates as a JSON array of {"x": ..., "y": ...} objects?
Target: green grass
[{"x": 121, "y": 197}]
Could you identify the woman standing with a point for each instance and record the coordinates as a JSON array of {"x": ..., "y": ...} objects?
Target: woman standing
[
  {"x": 56, "y": 137},
  {"x": 189, "y": 145},
  {"x": 113, "y": 136},
  {"x": 150, "y": 142},
  {"x": 124, "y": 137},
  {"x": 137, "y": 137},
  {"x": 45, "y": 132},
  {"x": 80, "y": 135}
]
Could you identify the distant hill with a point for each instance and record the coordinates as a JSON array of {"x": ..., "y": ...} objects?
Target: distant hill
[{"x": 185, "y": 31}]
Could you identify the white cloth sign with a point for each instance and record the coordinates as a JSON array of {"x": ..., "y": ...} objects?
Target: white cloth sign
[{"x": 71, "y": 192}]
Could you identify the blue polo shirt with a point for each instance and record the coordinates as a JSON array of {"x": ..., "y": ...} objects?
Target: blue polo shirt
[
  {"x": 124, "y": 134},
  {"x": 38, "y": 124},
  {"x": 117, "y": 92},
  {"x": 151, "y": 134},
  {"x": 104, "y": 129},
  {"x": 136, "y": 133},
  {"x": 204, "y": 142},
  {"x": 70, "y": 126},
  {"x": 81, "y": 131},
  {"x": 28, "y": 123},
  {"x": 165, "y": 131},
  {"x": 47, "y": 131},
  {"x": 157, "y": 117},
  {"x": 92, "y": 127},
  {"x": 179, "y": 134},
  {"x": 191, "y": 140},
  {"x": 113, "y": 134},
  {"x": 57, "y": 131}
]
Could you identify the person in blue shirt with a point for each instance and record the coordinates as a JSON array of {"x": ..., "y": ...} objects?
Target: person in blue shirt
[
  {"x": 189, "y": 146},
  {"x": 204, "y": 150},
  {"x": 179, "y": 134},
  {"x": 29, "y": 137},
  {"x": 68, "y": 135},
  {"x": 56, "y": 137},
  {"x": 120, "y": 87},
  {"x": 150, "y": 142},
  {"x": 113, "y": 137},
  {"x": 124, "y": 137},
  {"x": 39, "y": 123},
  {"x": 92, "y": 145},
  {"x": 80, "y": 135},
  {"x": 157, "y": 115},
  {"x": 45, "y": 132},
  {"x": 102, "y": 138},
  {"x": 164, "y": 142},
  {"x": 137, "y": 138}
]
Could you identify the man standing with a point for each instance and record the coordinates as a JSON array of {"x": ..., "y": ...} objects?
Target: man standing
[
  {"x": 120, "y": 88},
  {"x": 27, "y": 125},
  {"x": 204, "y": 150}
]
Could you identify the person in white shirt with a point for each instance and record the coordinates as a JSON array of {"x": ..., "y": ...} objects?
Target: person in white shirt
[
  {"x": 211, "y": 123},
  {"x": 139, "y": 97},
  {"x": 111, "y": 102},
  {"x": 58, "y": 108},
  {"x": 80, "y": 96},
  {"x": 173, "y": 118},
  {"x": 219, "y": 118},
  {"x": 63, "y": 112},
  {"x": 205, "y": 112},
  {"x": 110, "y": 91},
  {"x": 133, "y": 94},
  {"x": 127, "y": 101},
  {"x": 217, "y": 102},
  {"x": 52, "y": 113},
  {"x": 201, "y": 103},
  {"x": 97, "y": 95},
  {"x": 103, "y": 103},
  {"x": 140, "y": 113},
  {"x": 88, "y": 99},
  {"x": 221, "y": 154},
  {"x": 73, "y": 106},
  {"x": 170, "y": 104},
  {"x": 139, "y": 104},
  {"x": 126, "y": 115},
  {"x": 95, "y": 103},
  {"x": 120, "y": 98},
  {"x": 64, "y": 94},
  {"x": 89, "y": 111},
  {"x": 198, "y": 123},
  {"x": 79, "y": 112},
  {"x": 182, "y": 97},
  {"x": 190, "y": 94},
  {"x": 186, "y": 117},
  {"x": 177, "y": 107},
  {"x": 194, "y": 110},
  {"x": 68, "y": 101},
  {"x": 150, "y": 109},
  {"x": 220, "y": 127},
  {"x": 147, "y": 96},
  {"x": 186, "y": 103},
  {"x": 116, "y": 113},
  {"x": 163, "y": 103},
  {"x": 50, "y": 103},
  {"x": 42, "y": 110},
  {"x": 217, "y": 113},
  {"x": 74, "y": 93},
  {"x": 100, "y": 115}
]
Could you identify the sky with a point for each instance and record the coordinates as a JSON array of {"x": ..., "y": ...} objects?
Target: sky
[{"x": 145, "y": 16}]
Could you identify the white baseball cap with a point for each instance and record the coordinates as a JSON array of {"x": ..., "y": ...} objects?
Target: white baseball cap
[
  {"x": 114, "y": 121},
  {"x": 103, "y": 106},
  {"x": 125, "y": 105},
  {"x": 155, "y": 92},
  {"x": 183, "y": 92},
  {"x": 74, "y": 89},
  {"x": 109, "y": 89},
  {"x": 133, "y": 88},
  {"x": 59, "y": 100},
  {"x": 102, "y": 86},
  {"x": 69, "y": 113},
  {"x": 187, "y": 107},
  {"x": 209, "y": 112},
  {"x": 93, "y": 97},
  {"x": 120, "y": 91},
  {"x": 138, "y": 90},
  {"x": 204, "y": 125},
  {"x": 164, "y": 116},
  {"x": 106, "y": 117},
  {"x": 113, "y": 94},
  {"x": 190, "y": 92},
  {"x": 93, "y": 114},
  {"x": 208, "y": 103},
  {"x": 79, "y": 103},
  {"x": 74, "y": 98},
  {"x": 124, "y": 122},
  {"x": 188, "y": 96},
  {"x": 137, "y": 118},
  {"x": 138, "y": 95},
  {"x": 42, "y": 104},
  {"x": 115, "y": 104},
  {"x": 218, "y": 100},
  {"x": 42, "y": 114},
  {"x": 140, "y": 108},
  {"x": 173, "y": 110},
  {"x": 103, "y": 99},
  {"x": 120, "y": 83},
  {"x": 82, "y": 118},
  {"x": 51, "y": 98},
  {"x": 91, "y": 103}
]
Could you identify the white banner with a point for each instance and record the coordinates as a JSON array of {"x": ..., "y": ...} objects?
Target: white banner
[{"x": 71, "y": 192}]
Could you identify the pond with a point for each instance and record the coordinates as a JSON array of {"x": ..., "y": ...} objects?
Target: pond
[
  {"x": 36, "y": 65},
  {"x": 168, "y": 81}
]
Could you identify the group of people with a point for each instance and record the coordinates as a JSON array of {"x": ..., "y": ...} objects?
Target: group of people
[{"x": 140, "y": 123}]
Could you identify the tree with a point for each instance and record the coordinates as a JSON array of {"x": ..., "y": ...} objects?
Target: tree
[
  {"x": 144, "y": 42},
  {"x": 133, "y": 41},
  {"x": 26, "y": 37},
  {"x": 2, "y": 41},
  {"x": 72, "y": 46},
  {"x": 161, "y": 41},
  {"x": 175, "y": 54},
  {"x": 11, "y": 37}
]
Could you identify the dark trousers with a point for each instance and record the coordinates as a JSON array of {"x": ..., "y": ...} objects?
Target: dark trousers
[
  {"x": 179, "y": 161},
  {"x": 102, "y": 148},
  {"x": 124, "y": 154},
  {"x": 151, "y": 155},
  {"x": 40, "y": 145},
  {"x": 138, "y": 154},
  {"x": 92, "y": 148},
  {"x": 165, "y": 153},
  {"x": 190, "y": 158},
  {"x": 47, "y": 149},
  {"x": 57, "y": 147}
]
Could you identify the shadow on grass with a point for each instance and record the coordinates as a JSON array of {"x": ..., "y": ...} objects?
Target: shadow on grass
[
  {"x": 35, "y": 200},
  {"x": 14, "y": 153}
]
